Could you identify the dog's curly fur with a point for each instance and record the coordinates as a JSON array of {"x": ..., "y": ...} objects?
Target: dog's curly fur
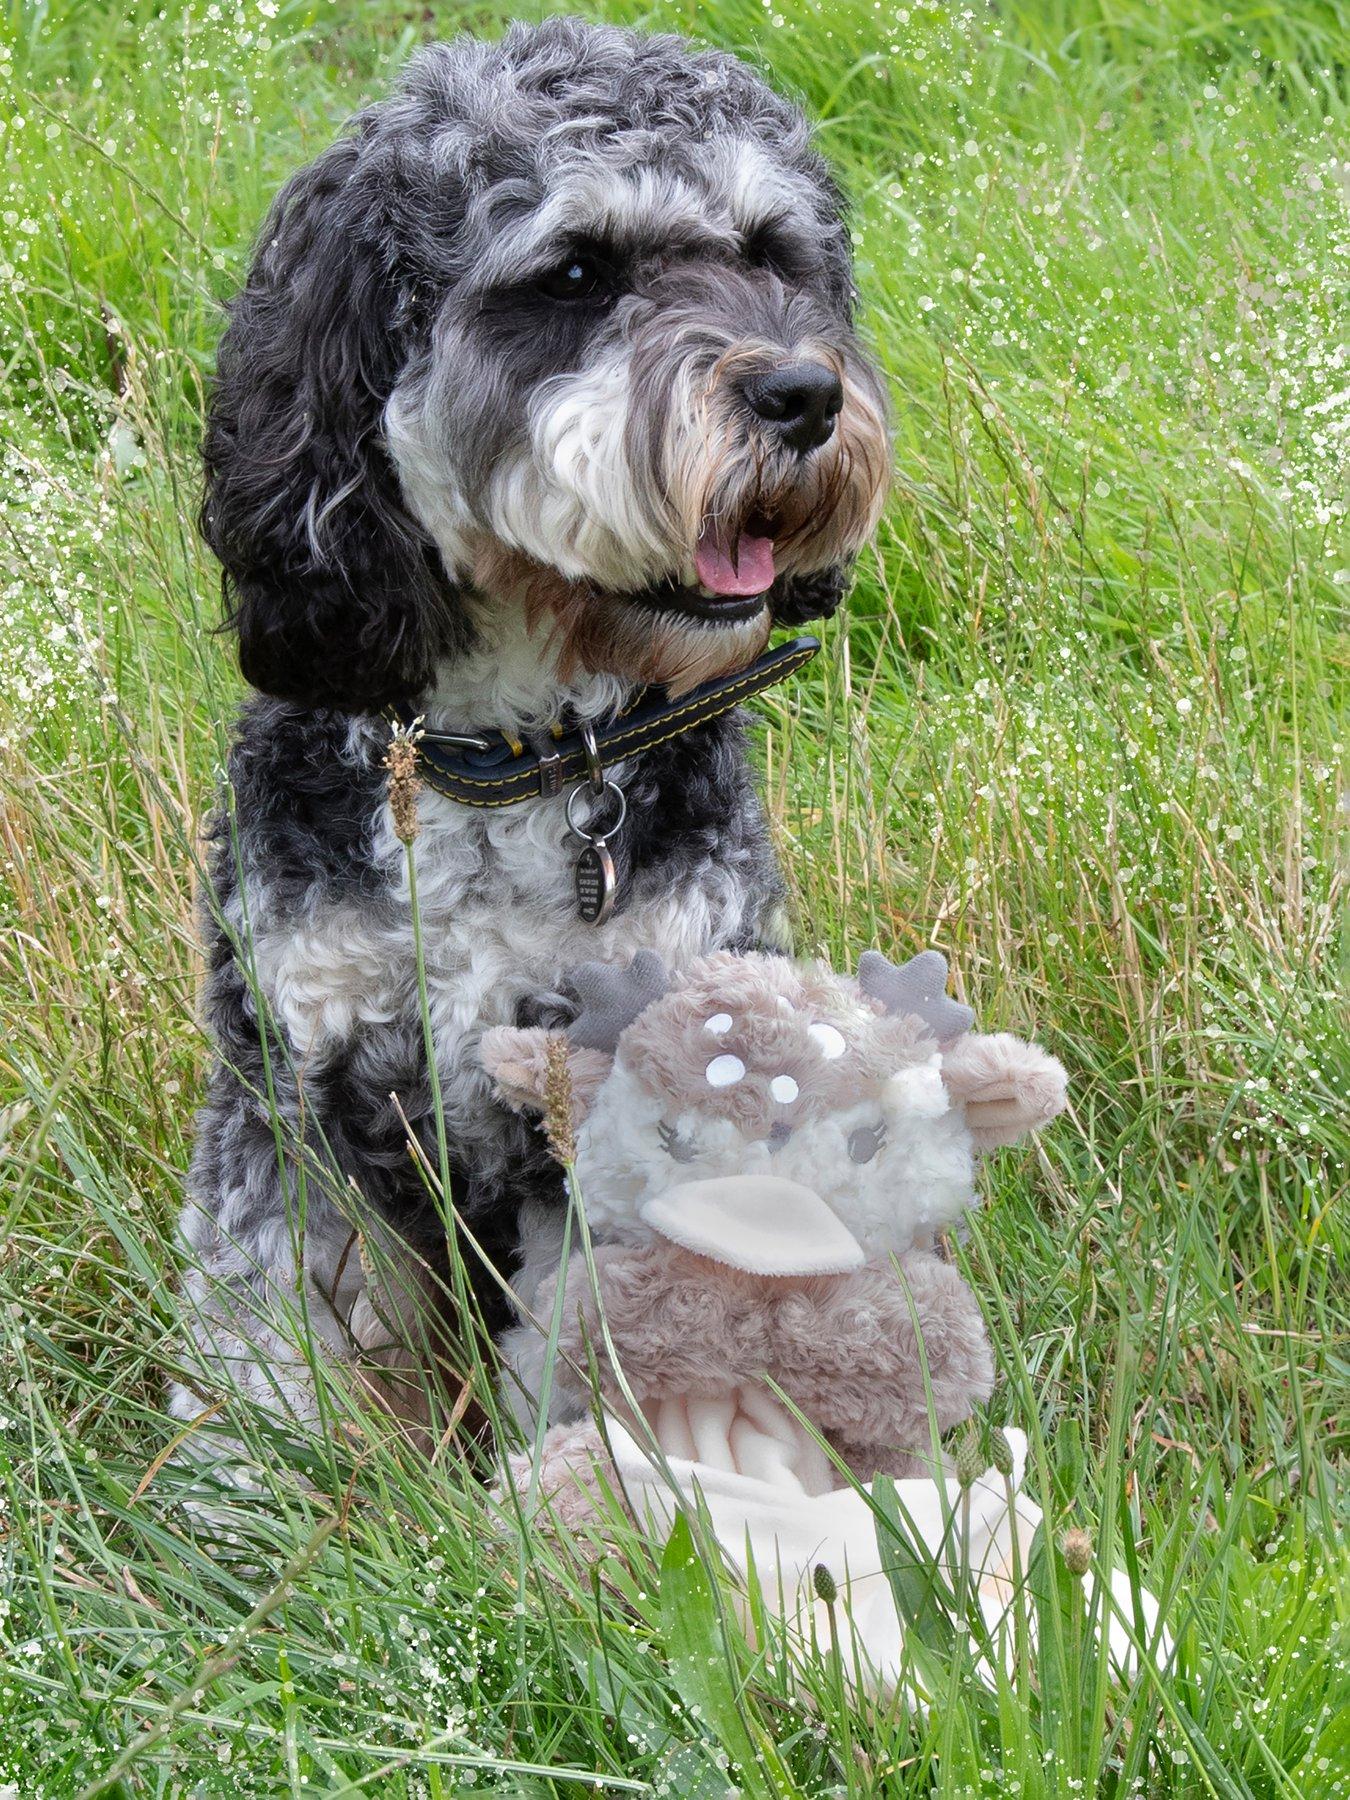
[{"x": 437, "y": 470}]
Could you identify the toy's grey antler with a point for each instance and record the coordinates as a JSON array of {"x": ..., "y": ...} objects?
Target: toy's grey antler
[
  {"x": 917, "y": 988},
  {"x": 611, "y": 998}
]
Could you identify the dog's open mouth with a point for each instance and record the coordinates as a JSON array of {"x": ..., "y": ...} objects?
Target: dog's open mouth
[
  {"x": 730, "y": 577},
  {"x": 735, "y": 564}
]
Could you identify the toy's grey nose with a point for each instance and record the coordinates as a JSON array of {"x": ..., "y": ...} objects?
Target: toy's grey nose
[
  {"x": 802, "y": 399},
  {"x": 760, "y": 1223}
]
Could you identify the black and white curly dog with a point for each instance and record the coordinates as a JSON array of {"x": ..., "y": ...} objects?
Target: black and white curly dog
[{"x": 542, "y": 386}]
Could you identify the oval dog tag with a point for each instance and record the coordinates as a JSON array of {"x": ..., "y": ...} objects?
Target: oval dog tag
[{"x": 595, "y": 884}]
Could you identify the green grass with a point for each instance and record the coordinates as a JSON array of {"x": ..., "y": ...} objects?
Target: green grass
[{"x": 1080, "y": 727}]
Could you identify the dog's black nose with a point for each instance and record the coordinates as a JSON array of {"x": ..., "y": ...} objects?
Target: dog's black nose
[{"x": 802, "y": 399}]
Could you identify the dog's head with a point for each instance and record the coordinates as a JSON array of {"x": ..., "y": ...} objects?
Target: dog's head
[{"x": 565, "y": 322}]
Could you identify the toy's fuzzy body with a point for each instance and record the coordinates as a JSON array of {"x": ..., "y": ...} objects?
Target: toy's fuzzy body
[
  {"x": 844, "y": 1349},
  {"x": 767, "y": 1152}
]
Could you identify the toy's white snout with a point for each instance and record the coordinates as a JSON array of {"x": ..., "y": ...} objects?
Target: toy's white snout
[{"x": 763, "y": 1224}]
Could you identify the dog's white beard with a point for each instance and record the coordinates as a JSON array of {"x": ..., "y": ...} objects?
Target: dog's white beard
[{"x": 571, "y": 499}]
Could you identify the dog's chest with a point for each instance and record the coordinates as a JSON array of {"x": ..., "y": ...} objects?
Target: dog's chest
[{"x": 495, "y": 895}]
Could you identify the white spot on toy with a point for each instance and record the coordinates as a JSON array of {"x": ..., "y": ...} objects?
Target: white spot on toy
[
  {"x": 724, "y": 1071},
  {"x": 829, "y": 1039},
  {"x": 784, "y": 1089},
  {"x": 785, "y": 1005},
  {"x": 719, "y": 1024}
]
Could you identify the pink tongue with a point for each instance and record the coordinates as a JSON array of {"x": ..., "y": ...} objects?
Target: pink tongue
[{"x": 745, "y": 567}]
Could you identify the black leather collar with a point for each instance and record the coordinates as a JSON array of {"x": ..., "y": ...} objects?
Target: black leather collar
[{"x": 490, "y": 769}]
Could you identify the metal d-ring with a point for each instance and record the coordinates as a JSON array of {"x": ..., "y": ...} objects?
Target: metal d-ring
[
  {"x": 588, "y": 831},
  {"x": 594, "y": 767}
]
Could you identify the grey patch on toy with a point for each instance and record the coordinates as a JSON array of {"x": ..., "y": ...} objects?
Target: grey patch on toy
[
  {"x": 611, "y": 998},
  {"x": 676, "y": 1146},
  {"x": 864, "y": 1143},
  {"x": 916, "y": 989}
]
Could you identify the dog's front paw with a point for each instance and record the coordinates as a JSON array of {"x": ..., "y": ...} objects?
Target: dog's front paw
[{"x": 798, "y": 598}]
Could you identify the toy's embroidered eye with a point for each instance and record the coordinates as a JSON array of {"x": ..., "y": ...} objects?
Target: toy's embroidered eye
[
  {"x": 864, "y": 1143},
  {"x": 724, "y": 1071},
  {"x": 680, "y": 1148},
  {"x": 828, "y": 1039}
]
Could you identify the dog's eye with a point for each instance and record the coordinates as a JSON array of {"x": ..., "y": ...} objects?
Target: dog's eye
[
  {"x": 675, "y": 1144},
  {"x": 864, "y": 1143},
  {"x": 577, "y": 278},
  {"x": 767, "y": 248}
]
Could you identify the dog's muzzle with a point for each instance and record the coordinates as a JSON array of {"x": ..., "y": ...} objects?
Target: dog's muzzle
[{"x": 800, "y": 402}]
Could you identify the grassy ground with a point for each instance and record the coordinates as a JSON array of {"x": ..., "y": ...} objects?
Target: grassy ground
[{"x": 1079, "y": 727}]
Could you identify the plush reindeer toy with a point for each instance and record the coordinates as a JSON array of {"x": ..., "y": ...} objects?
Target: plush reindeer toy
[{"x": 766, "y": 1153}]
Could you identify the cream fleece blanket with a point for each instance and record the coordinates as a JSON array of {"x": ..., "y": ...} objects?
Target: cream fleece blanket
[{"x": 786, "y": 1532}]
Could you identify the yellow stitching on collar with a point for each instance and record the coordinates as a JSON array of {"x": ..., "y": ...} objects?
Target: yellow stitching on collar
[{"x": 529, "y": 777}]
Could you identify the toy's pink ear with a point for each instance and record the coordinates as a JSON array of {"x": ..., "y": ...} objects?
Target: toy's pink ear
[
  {"x": 516, "y": 1057},
  {"x": 1007, "y": 1087}
]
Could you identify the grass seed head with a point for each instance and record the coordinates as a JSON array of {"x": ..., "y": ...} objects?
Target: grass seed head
[
  {"x": 969, "y": 1458},
  {"x": 1077, "y": 1551},
  {"x": 404, "y": 786},
  {"x": 558, "y": 1101},
  {"x": 1000, "y": 1451}
]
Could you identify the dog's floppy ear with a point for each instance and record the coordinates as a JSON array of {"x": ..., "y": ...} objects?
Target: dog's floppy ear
[
  {"x": 1006, "y": 1086},
  {"x": 335, "y": 593}
]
